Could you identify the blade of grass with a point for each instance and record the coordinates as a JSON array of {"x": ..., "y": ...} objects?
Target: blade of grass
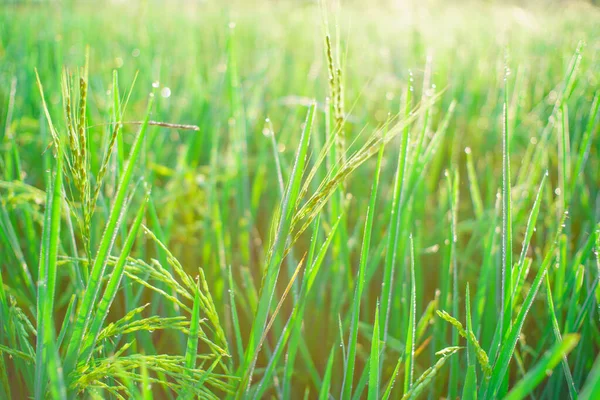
[
  {"x": 559, "y": 339},
  {"x": 473, "y": 186},
  {"x": 390, "y": 385},
  {"x": 66, "y": 321},
  {"x": 234, "y": 317},
  {"x": 539, "y": 372},
  {"x": 453, "y": 185},
  {"x": 586, "y": 142},
  {"x": 564, "y": 159},
  {"x": 374, "y": 377},
  {"x": 507, "y": 276},
  {"x": 118, "y": 209},
  {"x": 360, "y": 282},
  {"x": 278, "y": 308},
  {"x": 409, "y": 351},
  {"x": 191, "y": 351},
  {"x": 47, "y": 360},
  {"x": 363, "y": 380},
  {"x": 529, "y": 230},
  {"x": 490, "y": 388},
  {"x": 395, "y": 217},
  {"x": 470, "y": 386},
  {"x": 591, "y": 388},
  {"x": 271, "y": 272},
  {"x": 112, "y": 286},
  {"x": 324, "y": 390},
  {"x": 293, "y": 332}
]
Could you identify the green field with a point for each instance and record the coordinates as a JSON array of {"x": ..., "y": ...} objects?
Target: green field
[{"x": 291, "y": 199}]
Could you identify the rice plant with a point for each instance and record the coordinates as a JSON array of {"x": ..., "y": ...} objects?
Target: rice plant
[{"x": 299, "y": 200}]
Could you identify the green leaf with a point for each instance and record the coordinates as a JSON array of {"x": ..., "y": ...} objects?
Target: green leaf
[
  {"x": 324, "y": 391},
  {"x": 374, "y": 377},
  {"x": 292, "y": 332},
  {"x": 112, "y": 286},
  {"x": 591, "y": 387},
  {"x": 395, "y": 218},
  {"x": 540, "y": 371},
  {"x": 533, "y": 215},
  {"x": 559, "y": 339},
  {"x": 490, "y": 389},
  {"x": 360, "y": 283},
  {"x": 470, "y": 387},
  {"x": 47, "y": 358},
  {"x": 390, "y": 385},
  {"x": 275, "y": 256},
  {"x": 118, "y": 209},
  {"x": 409, "y": 351},
  {"x": 234, "y": 317},
  {"x": 507, "y": 274}
]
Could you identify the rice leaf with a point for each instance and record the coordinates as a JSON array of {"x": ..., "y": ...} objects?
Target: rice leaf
[
  {"x": 539, "y": 372},
  {"x": 409, "y": 351},
  {"x": 276, "y": 253},
  {"x": 374, "y": 377},
  {"x": 508, "y": 346},
  {"x": 118, "y": 209},
  {"x": 324, "y": 391},
  {"x": 360, "y": 283}
]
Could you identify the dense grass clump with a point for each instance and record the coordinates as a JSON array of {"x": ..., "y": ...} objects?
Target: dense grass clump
[{"x": 291, "y": 200}]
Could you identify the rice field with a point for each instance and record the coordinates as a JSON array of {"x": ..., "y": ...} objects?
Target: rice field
[{"x": 298, "y": 199}]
